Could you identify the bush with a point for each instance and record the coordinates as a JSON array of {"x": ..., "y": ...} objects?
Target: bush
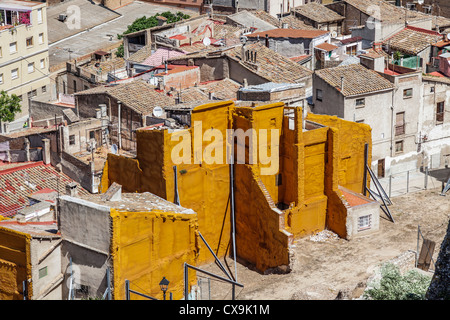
[{"x": 394, "y": 286}]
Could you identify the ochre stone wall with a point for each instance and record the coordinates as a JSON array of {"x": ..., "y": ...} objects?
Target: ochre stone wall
[
  {"x": 147, "y": 246},
  {"x": 15, "y": 264},
  {"x": 313, "y": 163}
]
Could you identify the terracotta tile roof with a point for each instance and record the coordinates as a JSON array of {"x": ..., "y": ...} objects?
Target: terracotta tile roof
[
  {"x": 412, "y": 40},
  {"x": 351, "y": 40},
  {"x": 270, "y": 65},
  {"x": 327, "y": 46},
  {"x": 141, "y": 54},
  {"x": 193, "y": 94},
  {"x": 387, "y": 12},
  {"x": 136, "y": 94},
  {"x": 300, "y": 58},
  {"x": 42, "y": 229},
  {"x": 289, "y": 33},
  {"x": 225, "y": 89},
  {"x": 357, "y": 79},
  {"x": 318, "y": 13},
  {"x": 292, "y": 21},
  {"x": 354, "y": 199},
  {"x": 160, "y": 55},
  {"x": 442, "y": 22},
  {"x": 436, "y": 78},
  {"x": 16, "y": 184}
]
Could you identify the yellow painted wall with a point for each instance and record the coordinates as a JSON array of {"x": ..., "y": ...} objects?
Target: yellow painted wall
[
  {"x": 312, "y": 165},
  {"x": 147, "y": 246},
  {"x": 202, "y": 187},
  {"x": 15, "y": 264},
  {"x": 260, "y": 238},
  {"x": 351, "y": 139}
]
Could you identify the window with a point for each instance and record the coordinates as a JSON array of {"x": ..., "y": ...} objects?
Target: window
[
  {"x": 399, "y": 123},
  {"x": 31, "y": 67},
  {"x": 431, "y": 89},
  {"x": 31, "y": 94},
  {"x": 360, "y": 102},
  {"x": 351, "y": 50},
  {"x": 41, "y": 38},
  {"x": 319, "y": 94},
  {"x": 42, "y": 272},
  {"x": 1, "y": 52},
  {"x": 399, "y": 146},
  {"x": 14, "y": 73},
  {"x": 74, "y": 86},
  {"x": 91, "y": 134},
  {"x": 39, "y": 15},
  {"x": 42, "y": 62},
  {"x": 407, "y": 93},
  {"x": 72, "y": 139},
  {"x": 1, "y": 78},
  {"x": 29, "y": 41},
  {"x": 440, "y": 112},
  {"x": 13, "y": 47},
  {"x": 44, "y": 89},
  {"x": 364, "y": 222}
]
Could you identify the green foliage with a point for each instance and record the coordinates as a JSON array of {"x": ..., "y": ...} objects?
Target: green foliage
[
  {"x": 9, "y": 106},
  {"x": 397, "y": 57},
  {"x": 145, "y": 23},
  {"x": 120, "y": 51},
  {"x": 394, "y": 286}
]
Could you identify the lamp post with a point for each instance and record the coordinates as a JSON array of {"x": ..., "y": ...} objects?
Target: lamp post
[{"x": 164, "y": 284}]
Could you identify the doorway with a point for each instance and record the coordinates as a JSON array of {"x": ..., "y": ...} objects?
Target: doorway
[{"x": 380, "y": 171}]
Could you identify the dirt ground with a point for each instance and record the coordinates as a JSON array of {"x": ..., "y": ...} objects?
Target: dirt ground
[{"x": 320, "y": 269}]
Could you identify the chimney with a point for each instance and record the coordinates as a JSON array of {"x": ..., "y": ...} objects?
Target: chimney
[
  {"x": 211, "y": 95},
  {"x": 342, "y": 84},
  {"x": 46, "y": 151},
  {"x": 114, "y": 193},
  {"x": 284, "y": 26},
  {"x": 245, "y": 83},
  {"x": 165, "y": 66},
  {"x": 161, "y": 20},
  {"x": 71, "y": 189}
]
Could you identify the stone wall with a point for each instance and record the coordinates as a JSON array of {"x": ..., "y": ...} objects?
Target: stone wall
[{"x": 440, "y": 284}]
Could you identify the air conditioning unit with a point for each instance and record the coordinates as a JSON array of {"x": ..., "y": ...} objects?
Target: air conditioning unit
[{"x": 62, "y": 17}]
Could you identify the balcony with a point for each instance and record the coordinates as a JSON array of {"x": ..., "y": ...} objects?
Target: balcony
[{"x": 13, "y": 18}]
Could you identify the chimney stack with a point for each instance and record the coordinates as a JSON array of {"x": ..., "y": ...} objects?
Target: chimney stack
[
  {"x": 71, "y": 189},
  {"x": 342, "y": 84}
]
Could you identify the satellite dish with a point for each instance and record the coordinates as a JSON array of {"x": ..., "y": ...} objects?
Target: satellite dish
[
  {"x": 206, "y": 41},
  {"x": 114, "y": 149},
  {"x": 448, "y": 36},
  {"x": 157, "y": 112},
  {"x": 333, "y": 34}
]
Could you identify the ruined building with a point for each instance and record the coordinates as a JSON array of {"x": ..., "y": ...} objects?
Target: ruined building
[{"x": 313, "y": 182}]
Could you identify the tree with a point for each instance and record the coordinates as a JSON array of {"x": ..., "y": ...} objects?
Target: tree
[
  {"x": 150, "y": 22},
  {"x": 9, "y": 106},
  {"x": 395, "y": 286}
]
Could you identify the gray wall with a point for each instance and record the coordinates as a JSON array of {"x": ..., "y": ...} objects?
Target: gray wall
[{"x": 85, "y": 228}]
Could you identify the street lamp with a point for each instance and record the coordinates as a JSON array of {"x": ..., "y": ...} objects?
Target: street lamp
[{"x": 164, "y": 284}]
